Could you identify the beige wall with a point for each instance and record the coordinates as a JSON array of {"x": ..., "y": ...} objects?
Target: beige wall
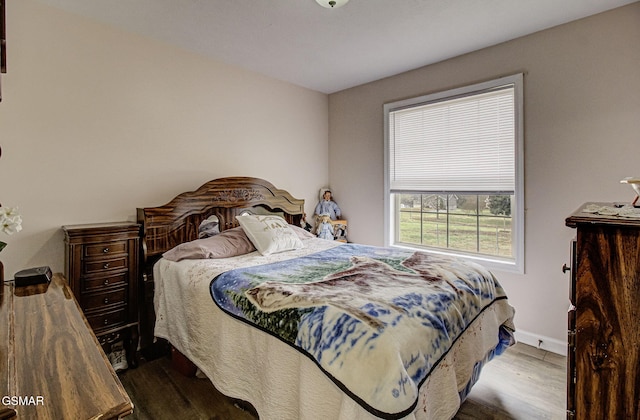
[
  {"x": 95, "y": 122},
  {"x": 582, "y": 132}
]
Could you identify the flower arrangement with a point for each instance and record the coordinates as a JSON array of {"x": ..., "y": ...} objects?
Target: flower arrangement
[{"x": 10, "y": 222}]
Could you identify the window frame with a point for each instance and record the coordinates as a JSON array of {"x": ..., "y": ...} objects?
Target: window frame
[{"x": 516, "y": 264}]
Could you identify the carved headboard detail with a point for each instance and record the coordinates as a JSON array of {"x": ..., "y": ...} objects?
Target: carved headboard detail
[{"x": 176, "y": 222}]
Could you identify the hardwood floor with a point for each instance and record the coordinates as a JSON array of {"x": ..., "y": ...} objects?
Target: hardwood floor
[{"x": 524, "y": 383}]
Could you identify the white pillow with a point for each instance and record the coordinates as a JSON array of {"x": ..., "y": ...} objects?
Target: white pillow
[{"x": 269, "y": 234}]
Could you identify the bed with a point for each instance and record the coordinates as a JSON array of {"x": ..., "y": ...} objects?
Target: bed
[{"x": 302, "y": 327}]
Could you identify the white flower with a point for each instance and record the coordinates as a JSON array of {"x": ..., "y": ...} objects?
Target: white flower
[{"x": 10, "y": 220}]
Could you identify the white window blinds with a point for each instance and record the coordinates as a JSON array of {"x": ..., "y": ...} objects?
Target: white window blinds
[{"x": 466, "y": 144}]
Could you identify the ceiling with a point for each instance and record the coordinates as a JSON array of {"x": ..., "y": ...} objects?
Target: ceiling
[{"x": 329, "y": 50}]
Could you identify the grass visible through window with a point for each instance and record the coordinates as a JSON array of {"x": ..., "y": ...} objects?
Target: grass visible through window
[{"x": 470, "y": 224}]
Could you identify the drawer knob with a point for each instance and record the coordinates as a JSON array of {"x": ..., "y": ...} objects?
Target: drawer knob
[
  {"x": 105, "y": 266},
  {"x": 106, "y": 282},
  {"x": 106, "y": 300},
  {"x": 106, "y": 321},
  {"x": 106, "y": 249}
]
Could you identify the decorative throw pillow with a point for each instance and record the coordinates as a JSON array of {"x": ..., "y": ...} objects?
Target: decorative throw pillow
[
  {"x": 269, "y": 234},
  {"x": 230, "y": 243},
  {"x": 209, "y": 227}
]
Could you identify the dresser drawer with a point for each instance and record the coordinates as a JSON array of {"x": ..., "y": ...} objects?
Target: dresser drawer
[
  {"x": 105, "y": 300},
  {"x": 101, "y": 263},
  {"x": 92, "y": 284},
  {"x": 105, "y": 249},
  {"x": 110, "y": 319},
  {"x": 95, "y": 266}
]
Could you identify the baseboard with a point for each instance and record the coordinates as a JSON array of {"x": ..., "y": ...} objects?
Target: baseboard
[{"x": 542, "y": 342}]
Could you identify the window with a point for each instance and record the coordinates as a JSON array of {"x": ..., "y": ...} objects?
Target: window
[{"x": 453, "y": 173}]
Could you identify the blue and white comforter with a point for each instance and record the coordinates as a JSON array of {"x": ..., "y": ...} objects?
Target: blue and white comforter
[{"x": 377, "y": 321}]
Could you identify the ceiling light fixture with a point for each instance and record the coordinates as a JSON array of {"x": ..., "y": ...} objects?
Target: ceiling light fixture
[{"x": 331, "y": 4}]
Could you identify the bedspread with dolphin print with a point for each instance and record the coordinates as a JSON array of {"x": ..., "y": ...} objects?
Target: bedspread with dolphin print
[{"x": 375, "y": 320}]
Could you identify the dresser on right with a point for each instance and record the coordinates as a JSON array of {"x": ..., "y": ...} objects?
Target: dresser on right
[{"x": 603, "y": 361}]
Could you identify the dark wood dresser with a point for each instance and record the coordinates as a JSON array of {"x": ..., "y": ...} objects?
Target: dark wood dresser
[
  {"x": 604, "y": 336},
  {"x": 101, "y": 265},
  {"x": 51, "y": 365}
]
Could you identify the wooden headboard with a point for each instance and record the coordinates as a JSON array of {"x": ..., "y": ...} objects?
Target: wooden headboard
[{"x": 177, "y": 221}]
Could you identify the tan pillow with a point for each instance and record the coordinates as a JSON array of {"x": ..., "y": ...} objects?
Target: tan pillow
[
  {"x": 269, "y": 234},
  {"x": 230, "y": 243}
]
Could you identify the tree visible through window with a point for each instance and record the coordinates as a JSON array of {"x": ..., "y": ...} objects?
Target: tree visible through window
[{"x": 453, "y": 165}]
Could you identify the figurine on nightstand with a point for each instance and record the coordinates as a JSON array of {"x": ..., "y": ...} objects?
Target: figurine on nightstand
[
  {"x": 327, "y": 206},
  {"x": 304, "y": 224},
  {"x": 325, "y": 228},
  {"x": 635, "y": 184}
]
